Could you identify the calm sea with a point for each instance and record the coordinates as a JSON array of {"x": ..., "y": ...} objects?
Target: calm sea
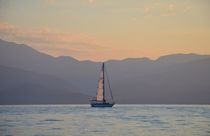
[{"x": 121, "y": 120}]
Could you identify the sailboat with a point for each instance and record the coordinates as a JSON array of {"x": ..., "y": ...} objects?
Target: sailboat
[{"x": 99, "y": 100}]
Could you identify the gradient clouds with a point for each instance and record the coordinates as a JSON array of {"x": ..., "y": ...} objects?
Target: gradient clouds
[
  {"x": 51, "y": 41},
  {"x": 101, "y": 30}
]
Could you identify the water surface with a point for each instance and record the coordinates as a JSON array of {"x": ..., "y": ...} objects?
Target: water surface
[{"x": 121, "y": 120}]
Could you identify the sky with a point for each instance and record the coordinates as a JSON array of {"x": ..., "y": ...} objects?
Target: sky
[{"x": 101, "y": 30}]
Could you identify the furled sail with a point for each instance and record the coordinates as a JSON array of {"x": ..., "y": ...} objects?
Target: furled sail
[{"x": 100, "y": 90}]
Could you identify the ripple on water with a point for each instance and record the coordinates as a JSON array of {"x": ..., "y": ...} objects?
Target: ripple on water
[
  {"x": 183, "y": 124},
  {"x": 52, "y": 120},
  {"x": 208, "y": 131},
  {"x": 56, "y": 128},
  {"x": 41, "y": 135},
  {"x": 179, "y": 120},
  {"x": 48, "y": 121}
]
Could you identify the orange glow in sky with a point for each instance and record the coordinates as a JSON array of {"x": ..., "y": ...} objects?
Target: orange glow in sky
[{"x": 106, "y": 29}]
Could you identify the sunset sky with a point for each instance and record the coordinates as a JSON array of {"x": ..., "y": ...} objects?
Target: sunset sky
[{"x": 108, "y": 29}]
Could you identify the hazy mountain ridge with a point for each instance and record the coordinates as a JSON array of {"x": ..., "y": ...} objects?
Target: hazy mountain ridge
[
  {"x": 26, "y": 87},
  {"x": 186, "y": 83},
  {"x": 177, "y": 78}
]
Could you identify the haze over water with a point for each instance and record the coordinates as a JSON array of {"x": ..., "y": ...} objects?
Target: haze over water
[{"x": 121, "y": 120}]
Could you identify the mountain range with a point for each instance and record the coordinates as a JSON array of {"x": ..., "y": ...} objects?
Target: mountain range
[{"x": 28, "y": 76}]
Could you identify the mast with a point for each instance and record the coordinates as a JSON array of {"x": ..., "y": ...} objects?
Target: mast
[
  {"x": 103, "y": 83},
  {"x": 100, "y": 96}
]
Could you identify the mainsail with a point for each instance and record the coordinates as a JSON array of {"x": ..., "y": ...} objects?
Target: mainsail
[
  {"x": 100, "y": 100},
  {"x": 100, "y": 90}
]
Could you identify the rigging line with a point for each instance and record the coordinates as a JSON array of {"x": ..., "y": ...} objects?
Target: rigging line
[{"x": 109, "y": 84}]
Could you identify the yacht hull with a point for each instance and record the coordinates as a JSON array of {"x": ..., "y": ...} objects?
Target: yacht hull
[{"x": 102, "y": 105}]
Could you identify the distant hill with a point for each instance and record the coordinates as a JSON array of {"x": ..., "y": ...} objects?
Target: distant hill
[
  {"x": 26, "y": 87},
  {"x": 82, "y": 74},
  {"x": 184, "y": 83},
  {"x": 171, "y": 79}
]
